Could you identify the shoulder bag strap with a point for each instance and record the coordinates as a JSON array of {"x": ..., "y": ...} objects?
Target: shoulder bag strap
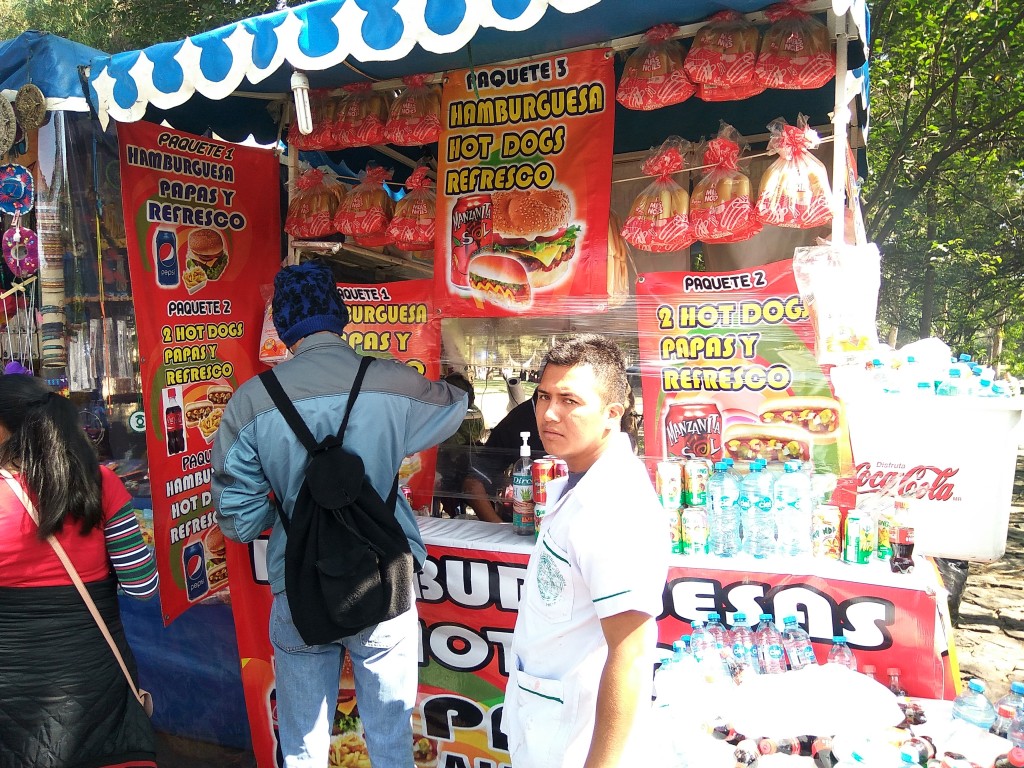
[{"x": 59, "y": 550}]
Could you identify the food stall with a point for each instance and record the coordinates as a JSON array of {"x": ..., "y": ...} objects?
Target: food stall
[{"x": 497, "y": 70}]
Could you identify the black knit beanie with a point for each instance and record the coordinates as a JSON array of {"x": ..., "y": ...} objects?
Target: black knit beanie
[{"x": 306, "y": 301}]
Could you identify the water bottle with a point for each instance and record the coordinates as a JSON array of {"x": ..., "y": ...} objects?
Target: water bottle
[
  {"x": 717, "y": 630},
  {"x": 1005, "y": 715},
  {"x": 1015, "y": 698},
  {"x": 973, "y": 706},
  {"x": 1012, "y": 759},
  {"x": 723, "y": 513},
  {"x": 768, "y": 643},
  {"x": 841, "y": 653},
  {"x": 1017, "y": 730},
  {"x": 757, "y": 502},
  {"x": 522, "y": 490},
  {"x": 797, "y": 644},
  {"x": 794, "y": 510},
  {"x": 952, "y": 385},
  {"x": 744, "y": 653},
  {"x": 702, "y": 644}
]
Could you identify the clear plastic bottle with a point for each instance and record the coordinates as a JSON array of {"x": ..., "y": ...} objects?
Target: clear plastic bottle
[
  {"x": 744, "y": 654},
  {"x": 1017, "y": 730},
  {"x": 952, "y": 385},
  {"x": 717, "y": 630},
  {"x": 973, "y": 706},
  {"x": 894, "y": 681},
  {"x": 794, "y": 510},
  {"x": 768, "y": 643},
  {"x": 841, "y": 653},
  {"x": 1015, "y": 698},
  {"x": 702, "y": 643},
  {"x": 869, "y": 671},
  {"x": 757, "y": 503},
  {"x": 797, "y": 644},
  {"x": 723, "y": 513},
  {"x": 1005, "y": 715},
  {"x": 522, "y": 490}
]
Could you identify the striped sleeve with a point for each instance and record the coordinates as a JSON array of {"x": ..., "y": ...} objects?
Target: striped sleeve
[{"x": 133, "y": 562}]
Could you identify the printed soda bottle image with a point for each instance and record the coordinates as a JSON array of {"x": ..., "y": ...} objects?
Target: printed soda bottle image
[
  {"x": 193, "y": 565},
  {"x": 165, "y": 256},
  {"x": 174, "y": 422}
]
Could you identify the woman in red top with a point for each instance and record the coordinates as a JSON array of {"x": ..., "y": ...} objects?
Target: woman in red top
[{"x": 64, "y": 700}]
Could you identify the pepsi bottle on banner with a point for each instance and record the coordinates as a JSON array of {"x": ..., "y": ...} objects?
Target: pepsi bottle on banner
[{"x": 193, "y": 565}]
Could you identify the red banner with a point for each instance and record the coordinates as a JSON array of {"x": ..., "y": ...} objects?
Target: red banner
[
  {"x": 729, "y": 370},
  {"x": 197, "y": 254},
  {"x": 397, "y": 320},
  {"x": 523, "y": 191}
]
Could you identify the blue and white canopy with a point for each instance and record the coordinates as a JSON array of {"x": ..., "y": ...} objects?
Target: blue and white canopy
[
  {"x": 345, "y": 41},
  {"x": 49, "y": 62}
]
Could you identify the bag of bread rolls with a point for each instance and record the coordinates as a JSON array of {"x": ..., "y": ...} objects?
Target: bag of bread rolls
[
  {"x": 322, "y": 108},
  {"x": 653, "y": 76},
  {"x": 412, "y": 227},
  {"x": 361, "y": 117},
  {"x": 721, "y": 206},
  {"x": 415, "y": 116},
  {"x": 729, "y": 92},
  {"x": 366, "y": 210},
  {"x": 794, "y": 189},
  {"x": 796, "y": 52},
  {"x": 659, "y": 219},
  {"x": 618, "y": 263},
  {"x": 311, "y": 211},
  {"x": 724, "y": 51}
]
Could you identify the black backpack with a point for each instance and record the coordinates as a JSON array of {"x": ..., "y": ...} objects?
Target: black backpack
[{"x": 347, "y": 561}]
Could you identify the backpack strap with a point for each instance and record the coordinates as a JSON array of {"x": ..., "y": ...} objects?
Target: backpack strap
[
  {"x": 357, "y": 385},
  {"x": 287, "y": 408}
]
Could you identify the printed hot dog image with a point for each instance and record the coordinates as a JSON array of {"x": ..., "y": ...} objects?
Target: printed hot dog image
[
  {"x": 500, "y": 280},
  {"x": 771, "y": 442},
  {"x": 534, "y": 227},
  {"x": 818, "y": 415}
]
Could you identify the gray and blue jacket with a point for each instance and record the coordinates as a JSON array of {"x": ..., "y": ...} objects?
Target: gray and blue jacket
[{"x": 397, "y": 414}]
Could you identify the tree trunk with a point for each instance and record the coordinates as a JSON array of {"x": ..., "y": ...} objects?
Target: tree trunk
[
  {"x": 928, "y": 289},
  {"x": 997, "y": 343}
]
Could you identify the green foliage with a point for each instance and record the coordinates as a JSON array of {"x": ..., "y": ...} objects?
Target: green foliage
[{"x": 945, "y": 198}]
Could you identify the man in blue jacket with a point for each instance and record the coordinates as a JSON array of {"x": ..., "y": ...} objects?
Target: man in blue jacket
[{"x": 398, "y": 413}]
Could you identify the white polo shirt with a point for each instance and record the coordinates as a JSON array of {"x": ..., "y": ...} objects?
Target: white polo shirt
[{"x": 603, "y": 550}]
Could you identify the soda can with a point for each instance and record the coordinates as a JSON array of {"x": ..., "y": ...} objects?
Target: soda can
[
  {"x": 670, "y": 484},
  {"x": 543, "y": 471},
  {"x": 825, "y": 539},
  {"x": 886, "y": 524},
  {"x": 539, "y": 510},
  {"x": 561, "y": 468},
  {"x": 696, "y": 473},
  {"x": 695, "y": 530},
  {"x": 853, "y": 538},
  {"x": 193, "y": 565},
  {"x": 675, "y": 530},
  {"x": 471, "y": 232},
  {"x": 694, "y": 430},
  {"x": 165, "y": 254}
]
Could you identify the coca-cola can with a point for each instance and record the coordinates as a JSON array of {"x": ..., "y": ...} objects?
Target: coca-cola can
[
  {"x": 543, "y": 471},
  {"x": 694, "y": 431},
  {"x": 471, "y": 232}
]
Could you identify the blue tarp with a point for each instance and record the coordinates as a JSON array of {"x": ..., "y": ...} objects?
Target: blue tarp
[
  {"x": 49, "y": 62},
  {"x": 190, "y": 82}
]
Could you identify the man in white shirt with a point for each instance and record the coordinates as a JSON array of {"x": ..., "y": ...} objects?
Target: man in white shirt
[{"x": 579, "y": 688}]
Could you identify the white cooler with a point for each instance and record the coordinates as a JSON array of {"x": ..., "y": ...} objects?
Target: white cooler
[{"x": 952, "y": 458}]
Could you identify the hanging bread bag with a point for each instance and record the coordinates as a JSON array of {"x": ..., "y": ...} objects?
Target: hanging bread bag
[
  {"x": 361, "y": 117},
  {"x": 313, "y": 208},
  {"x": 658, "y": 221},
  {"x": 794, "y": 189},
  {"x": 415, "y": 116},
  {"x": 722, "y": 205},
  {"x": 724, "y": 51},
  {"x": 797, "y": 50},
  {"x": 366, "y": 210},
  {"x": 653, "y": 76},
  {"x": 412, "y": 227}
]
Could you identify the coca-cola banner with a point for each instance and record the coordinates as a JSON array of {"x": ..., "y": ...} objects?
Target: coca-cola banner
[
  {"x": 468, "y": 597},
  {"x": 729, "y": 370},
  {"x": 523, "y": 187},
  {"x": 203, "y": 235}
]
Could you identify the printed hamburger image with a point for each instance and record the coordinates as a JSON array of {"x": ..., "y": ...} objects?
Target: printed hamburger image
[
  {"x": 206, "y": 250},
  {"x": 216, "y": 559},
  {"x": 500, "y": 280},
  {"x": 534, "y": 227}
]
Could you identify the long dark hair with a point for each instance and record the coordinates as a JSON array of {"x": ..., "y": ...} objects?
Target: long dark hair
[{"x": 50, "y": 450}]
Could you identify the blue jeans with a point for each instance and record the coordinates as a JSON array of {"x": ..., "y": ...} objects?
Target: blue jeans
[{"x": 385, "y": 665}]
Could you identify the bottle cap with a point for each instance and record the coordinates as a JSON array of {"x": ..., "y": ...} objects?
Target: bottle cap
[
  {"x": 764, "y": 617},
  {"x": 836, "y": 639},
  {"x": 739, "y": 617},
  {"x": 1007, "y": 710},
  {"x": 1017, "y": 686},
  {"x": 976, "y": 685},
  {"x": 868, "y": 669},
  {"x": 714, "y": 616},
  {"x": 789, "y": 620},
  {"x": 892, "y": 671},
  {"x": 1016, "y": 756}
]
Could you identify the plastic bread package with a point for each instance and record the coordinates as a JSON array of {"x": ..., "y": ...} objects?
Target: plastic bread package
[
  {"x": 313, "y": 207},
  {"x": 724, "y": 51},
  {"x": 796, "y": 52},
  {"x": 323, "y": 106},
  {"x": 415, "y": 116},
  {"x": 618, "y": 263},
  {"x": 794, "y": 189},
  {"x": 412, "y": 228},
  {"x": 272, "y": 349},
  {"x": 721, "y": 206},
  {"x": 365, "y": 213},
  {"x": 653, "y": 76},
  {"x": 361, "y": 117},
  {"x": 658, "y": 221}
]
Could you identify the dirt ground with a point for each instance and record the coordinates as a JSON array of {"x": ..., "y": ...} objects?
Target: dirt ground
[{"x": 989, "y": 639}]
